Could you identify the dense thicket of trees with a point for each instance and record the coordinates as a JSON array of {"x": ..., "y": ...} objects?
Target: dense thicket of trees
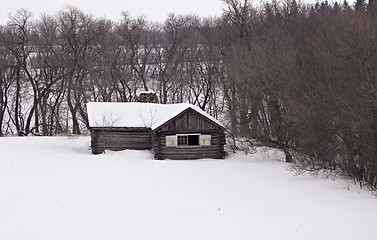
[{"x": 297, "y": 77}]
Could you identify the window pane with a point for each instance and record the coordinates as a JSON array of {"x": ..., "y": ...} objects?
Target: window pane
[
  {"x": 182, "y": 140},
  {"x": 193, "y": 140}
]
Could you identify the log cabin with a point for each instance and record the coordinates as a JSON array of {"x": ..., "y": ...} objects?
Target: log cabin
[{"x": 171, "y": 131}]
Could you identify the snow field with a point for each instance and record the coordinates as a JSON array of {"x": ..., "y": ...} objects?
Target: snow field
[{"x": 53, "y": 188}]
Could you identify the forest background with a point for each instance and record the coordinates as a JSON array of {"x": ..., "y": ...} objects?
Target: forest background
[{"x": 298, "y": 77}]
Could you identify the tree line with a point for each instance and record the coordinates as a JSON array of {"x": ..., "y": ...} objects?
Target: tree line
[{"x": 302, "y": 78}]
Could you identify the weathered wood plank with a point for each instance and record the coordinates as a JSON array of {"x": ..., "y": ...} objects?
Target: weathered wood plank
[{"x": 121, "y": 139}]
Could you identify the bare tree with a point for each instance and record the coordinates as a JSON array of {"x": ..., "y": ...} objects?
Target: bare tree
[
  {"x": 7, "y": 76},
  {"x": 77, "y": 33},
  {"x": 170, "y": 52},
  {"x": 139, "y": 36}
]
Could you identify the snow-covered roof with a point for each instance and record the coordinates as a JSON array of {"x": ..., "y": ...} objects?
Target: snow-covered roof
[{"x": 136, "y": 114}]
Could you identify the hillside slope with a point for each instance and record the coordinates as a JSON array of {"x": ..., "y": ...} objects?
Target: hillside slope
[{"x": 54, "y": 188}]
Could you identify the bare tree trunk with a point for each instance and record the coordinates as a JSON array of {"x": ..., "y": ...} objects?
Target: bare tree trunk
[
  {"x": 73, "y": 111},
  {"x": 17, "y": 105}
]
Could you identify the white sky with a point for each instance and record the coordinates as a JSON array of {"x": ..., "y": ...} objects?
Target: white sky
[{"x": 155, "y": 10}]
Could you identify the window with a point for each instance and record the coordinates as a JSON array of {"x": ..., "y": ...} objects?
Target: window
[
  {"x": 188, "y": 140},
  {"x": 183, "y": 140}
]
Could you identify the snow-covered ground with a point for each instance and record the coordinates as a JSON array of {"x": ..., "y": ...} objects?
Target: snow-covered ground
[{"x": 53, "y": 188}]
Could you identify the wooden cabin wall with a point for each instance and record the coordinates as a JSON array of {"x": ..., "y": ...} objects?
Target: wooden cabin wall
[
  {"x": 189, "y": 122},
  {"x": 216, "y": 150},
  {"x": 120, "y": 139}
]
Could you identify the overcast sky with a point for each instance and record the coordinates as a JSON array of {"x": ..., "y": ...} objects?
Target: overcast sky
[{"x": 155, "y": 10}]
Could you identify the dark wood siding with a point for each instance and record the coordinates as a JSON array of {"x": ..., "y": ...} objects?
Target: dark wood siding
[
  {"x": 189, "y": 122},
  {"x": 120, "y": 138},
  {"x": 216, "y": 150}
]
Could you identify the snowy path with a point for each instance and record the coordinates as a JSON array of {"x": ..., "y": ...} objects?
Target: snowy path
[{"x": 55, "y": 189}]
